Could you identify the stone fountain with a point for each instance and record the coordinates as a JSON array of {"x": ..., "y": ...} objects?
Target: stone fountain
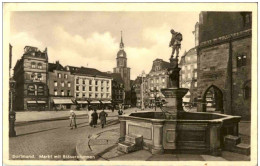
[{"x": 174, "y": 130}]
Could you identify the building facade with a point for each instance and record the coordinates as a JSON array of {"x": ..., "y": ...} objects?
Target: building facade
[
  {"x": 61, "y": 87},
  {"x": 117, "y": 89},
  {"x": 188, "y": 74},
  {"x": 156, "y": 80},
  {"x": 224, "y": 62},
  {"x": 122, "y": 68},
  {"x": 30, "y": 74},
  {"x": 91, "y": 86}
]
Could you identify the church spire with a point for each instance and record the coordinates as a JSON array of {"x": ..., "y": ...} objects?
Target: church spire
[{"x": 121, "y": 43}]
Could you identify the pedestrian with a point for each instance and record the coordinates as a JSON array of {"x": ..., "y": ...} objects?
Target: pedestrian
[
  {"x": 90, "y": 121},
  {"x": 102, "y": 117},
  {"x": 72, "y": 119},
  {"x": 94, "y": 116},
  {"x": 120, "y": 111}
]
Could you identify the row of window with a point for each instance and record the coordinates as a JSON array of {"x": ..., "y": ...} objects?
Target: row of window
[
  {"x": 62, "y": 92},
  {"x": 59, "y": 75},
  {"x": 189, "y": 67},
  {"x": 156, "y": 80},
  {"x": 188, "y": 76},
  {"x": 62, "y": 84},
  {"x": 187, "y": 85},
  {"x": 91, "y": 95},
  {"x": 34, "y": 65},
  {"x": 36, "y": 76},
  {"x": 90, "y": 82},
  {"x": 90, "y": 88}
]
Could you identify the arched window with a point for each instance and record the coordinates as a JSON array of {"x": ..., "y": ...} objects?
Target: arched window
[
  {"x": 39, "y": 66},
  {"x": 33, "y": 65}
]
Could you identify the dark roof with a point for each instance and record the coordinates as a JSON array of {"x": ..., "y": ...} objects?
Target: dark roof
[
  {"x": 117, "y": 77},
  {"x": 121, "y": 52},
  {"x": 87, "y": 71},
  {"x": 138, "y": 81},
  {"x": 163, "y": 64},
  {"x": 55, "y": 66}
]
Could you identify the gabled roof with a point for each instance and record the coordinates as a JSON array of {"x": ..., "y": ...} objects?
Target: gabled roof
[{"x": 55, "y": 66}]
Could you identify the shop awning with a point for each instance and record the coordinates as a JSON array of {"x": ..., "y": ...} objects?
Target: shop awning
[
  {"x": 94, "y": 102},
  {"x": 31, "y": 102},
  {"x": 41, "y": 102},
  {"x": 62, "y": 101},
  {"x": 106, "y": 102},
  {"x": 82, "y": 102}
]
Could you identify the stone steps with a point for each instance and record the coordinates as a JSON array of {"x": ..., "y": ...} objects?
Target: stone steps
[
  {"x": 131, "y": 144},
  {"x": 233, "y": 143}
]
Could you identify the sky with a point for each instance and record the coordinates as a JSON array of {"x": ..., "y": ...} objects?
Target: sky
[{"x": 91, "y": 39}]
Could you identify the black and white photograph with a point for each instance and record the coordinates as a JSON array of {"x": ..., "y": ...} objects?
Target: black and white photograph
[{"x": 166, "y": 83}]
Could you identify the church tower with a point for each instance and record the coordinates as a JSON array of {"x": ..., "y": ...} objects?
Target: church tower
[{"x": 121, "y": 67}]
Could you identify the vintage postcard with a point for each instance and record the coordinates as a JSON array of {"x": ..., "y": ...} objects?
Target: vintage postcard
[{"x": 130, "y": 84}]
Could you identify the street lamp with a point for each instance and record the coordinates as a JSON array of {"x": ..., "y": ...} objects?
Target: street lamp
[{"x": 142, "y": 86}]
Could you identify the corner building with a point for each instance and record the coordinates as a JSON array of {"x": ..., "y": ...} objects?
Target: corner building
[
  {"x": 224, "y": 62},
  {"x": 30, "y": 74}
]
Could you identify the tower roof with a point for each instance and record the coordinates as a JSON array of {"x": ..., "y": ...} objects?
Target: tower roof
[{"x": 121, "y": 52}]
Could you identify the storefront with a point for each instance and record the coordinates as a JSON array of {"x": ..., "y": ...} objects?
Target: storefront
[
  {"x": 36, "y": 105},
  {"x": 95, "y": 104},
  {"x": 107, "y": 104},
  {"x": 82, "y": 104},
  {"x": 62, "y": 104}
]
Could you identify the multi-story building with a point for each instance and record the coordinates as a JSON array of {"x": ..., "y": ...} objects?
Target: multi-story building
[
  {"x": 91, "y": 86},
  {"x": 30, "y": 74},
  {"x": 224, "y": 62},
  {"x": 188, "y": 74},
  {"x": 157, "y": 79},
  {"x": 61, "y": 87},
  {"x": 117, "y": 89},
  {"x": 124, "y": 71}
]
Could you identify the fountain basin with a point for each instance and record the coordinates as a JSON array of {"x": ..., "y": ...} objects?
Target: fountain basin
[{"x": 198, "y": 132}]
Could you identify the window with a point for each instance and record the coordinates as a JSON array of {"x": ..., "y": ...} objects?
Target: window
[
  {"x": 157, "y": 80},
  {"x": 188, "y": 75},
  {"x": 195, "y": 84},
  {"x": 90, "y": 95},
  {"x": 163, "y": 80},
  {"x": 83, "y": 82},
  {"x": 66, "y": 76},
  {"x": 90, "y": 88},
  {"x": 40, "y": 90},
  {"x": 59, "y": 75},
  {"x": 77, "y": 94},
  {"x": 102, "y": 89},
  {"x": 84, "y": 95},
  {"x": 68, "y": 92},
  {"x": 77, "y": 81},
  {"x": 31, "y": 90},
  {"x": 195, "y": 74},
  {"x": 188, "y": 67},
  {"x": 39, "y": 66},
  {"x": 96, "y": 82},
  {"x": 33, "y": 65},
  {"x": 96, "y": 95},
  {"x": 55, "y": 83},
  {"x": 90, "y": 82},
  {"x": 96, "y": 89},
  {"x": 151, "y": 81},
  {"x": 83, "y": 88},
  {"x": 62, "y": 92},
  {"x": 195, "y": 66},
  {"x": 68, "y": 84},
  {"x": 77, "y": 88},
  {"x": 55, "y": 92},
  {"x": 62, "y": 84},
  {"x": 107, "y": 89},
  {"x": 102, "y": 84},
  {"x": 241, "y": 60}
]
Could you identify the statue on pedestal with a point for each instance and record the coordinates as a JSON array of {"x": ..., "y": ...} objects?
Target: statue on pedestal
[{"x": 175, "y": 43}]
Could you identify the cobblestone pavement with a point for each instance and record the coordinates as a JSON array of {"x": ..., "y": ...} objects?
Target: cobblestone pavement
[{"x": 45, "y": 140}]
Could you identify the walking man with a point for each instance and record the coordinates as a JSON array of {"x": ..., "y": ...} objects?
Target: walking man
[
  {"x": 72, "y": 119},
  {"x": 102, "y": 117},
  {"x": 94, "y": 116}
]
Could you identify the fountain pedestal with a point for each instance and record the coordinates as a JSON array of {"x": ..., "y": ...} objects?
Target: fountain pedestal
[{"x": 173, "y": 105}]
